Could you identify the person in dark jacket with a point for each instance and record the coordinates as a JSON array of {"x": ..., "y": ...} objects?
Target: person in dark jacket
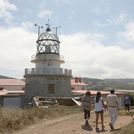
[
  {"x": 86, "y": 105},
  {"x": 127, "y": 103}
]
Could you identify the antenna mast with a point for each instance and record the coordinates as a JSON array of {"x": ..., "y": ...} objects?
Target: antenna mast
[{"x": 48, "y": 24}]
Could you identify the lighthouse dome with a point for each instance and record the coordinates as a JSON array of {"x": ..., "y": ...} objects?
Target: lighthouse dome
[{"x": 48, "y": 42}]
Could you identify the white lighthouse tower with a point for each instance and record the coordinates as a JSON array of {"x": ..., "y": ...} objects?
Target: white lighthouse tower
[{"x": 47, "y": 79}]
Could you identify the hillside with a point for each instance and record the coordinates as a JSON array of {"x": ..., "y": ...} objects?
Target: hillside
[
  {"x": 5, "y": 77},
  {"x": 111, "y": 83}
]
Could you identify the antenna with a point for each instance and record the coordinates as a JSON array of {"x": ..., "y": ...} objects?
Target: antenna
[
  {"x": 48, "y": 27},
  {"x": 38, "y": 27},
  {"x": 56, "y": 28},
  {"x": 48, "y": 24}
]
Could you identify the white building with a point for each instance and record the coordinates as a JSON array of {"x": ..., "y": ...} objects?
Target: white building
[
  {"x": 11, "y": 92},
  {"x": 77, "y": 84}
]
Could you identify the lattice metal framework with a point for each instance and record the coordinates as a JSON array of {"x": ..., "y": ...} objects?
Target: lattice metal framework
[{"x": 48, "y": 43}]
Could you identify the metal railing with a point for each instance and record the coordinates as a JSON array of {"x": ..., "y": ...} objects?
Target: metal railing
[
  {"x": 47, "y": 57},
  {"x": 49, "y": 71}
]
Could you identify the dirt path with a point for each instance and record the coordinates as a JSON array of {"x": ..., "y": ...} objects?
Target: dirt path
[{"x": 72, "y": 124}]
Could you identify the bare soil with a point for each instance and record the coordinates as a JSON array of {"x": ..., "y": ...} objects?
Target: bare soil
[{"x": 73, "y": 124}]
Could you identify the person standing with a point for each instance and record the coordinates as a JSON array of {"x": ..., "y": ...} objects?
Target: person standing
[
  {"x": 112, "y": 103},
  {"x": 99, "y": 108},
  {"x": 86, "y": 105},
  {"x": 127, "y": 103}
]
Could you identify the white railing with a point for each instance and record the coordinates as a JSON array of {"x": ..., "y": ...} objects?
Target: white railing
[
  {"x": 49, "y": 71},
  {"x": 47, "y": 57}
]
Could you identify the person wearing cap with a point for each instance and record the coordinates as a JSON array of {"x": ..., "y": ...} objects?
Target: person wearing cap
[
  {"x": 112, "y": 104},
  {"x": 86, "y": 105}
]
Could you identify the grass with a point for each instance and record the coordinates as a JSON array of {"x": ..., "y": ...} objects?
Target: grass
[
  {"x": 14, "y": 119},
  {"x": 129, "y": 129}
]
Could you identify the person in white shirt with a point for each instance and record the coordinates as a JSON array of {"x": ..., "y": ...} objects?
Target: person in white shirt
[
  {"x": 113, "y": 106},
  {"x": 99, "y": 108}
]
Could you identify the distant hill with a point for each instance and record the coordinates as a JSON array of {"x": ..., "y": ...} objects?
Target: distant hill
[
  {"x": 123, "y": 83},
  {"x": 5, "y": 77},
  {"x": 120, "y": 83},
  {"x": 91, "y": 80},
  {"x": 125, "y": 80}
]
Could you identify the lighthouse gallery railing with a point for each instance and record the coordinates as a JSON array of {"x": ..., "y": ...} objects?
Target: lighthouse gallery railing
[{"x": 49, "y": 71}]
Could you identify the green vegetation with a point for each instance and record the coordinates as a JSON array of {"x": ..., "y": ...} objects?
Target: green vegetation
[
  {"x": 129, "y": 129},
  {"x": 126, "y": 130},
  {"x": 5, "y": 77},
  {"x": 126, "y": 84},
  {"x": 14, "y": 119}
]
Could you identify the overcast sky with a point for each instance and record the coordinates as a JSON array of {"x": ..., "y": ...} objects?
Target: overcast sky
[{"x": 97, "y": 36}]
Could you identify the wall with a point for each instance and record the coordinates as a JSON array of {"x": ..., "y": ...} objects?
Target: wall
[
  {"x": 12, "y": 101},
  {"x": 37, "y": 85}
]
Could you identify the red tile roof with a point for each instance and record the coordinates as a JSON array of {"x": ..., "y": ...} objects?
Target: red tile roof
[
  {"x": 93, "y": 92},
  {"x": 11, "y": 82}
]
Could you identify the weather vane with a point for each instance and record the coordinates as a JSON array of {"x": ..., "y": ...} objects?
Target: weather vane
[{"x": 39, "y": 27}]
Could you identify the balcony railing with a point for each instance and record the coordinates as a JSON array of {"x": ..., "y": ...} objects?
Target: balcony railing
[
  {"x": 49, "y": 71},
  {"x": 47, "y": 57}
]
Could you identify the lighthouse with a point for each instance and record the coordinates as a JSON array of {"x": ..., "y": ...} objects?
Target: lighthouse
[{"x": 47, "y": 79}]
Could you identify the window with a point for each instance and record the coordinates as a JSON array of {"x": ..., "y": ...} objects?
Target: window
[{"x": 51, "y": 88}]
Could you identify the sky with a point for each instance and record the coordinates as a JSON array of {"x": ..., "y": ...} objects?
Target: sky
[{"x": 97, "y": 36}]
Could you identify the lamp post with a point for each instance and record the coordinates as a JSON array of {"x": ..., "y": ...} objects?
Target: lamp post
[{"x": 38, "y": 28}]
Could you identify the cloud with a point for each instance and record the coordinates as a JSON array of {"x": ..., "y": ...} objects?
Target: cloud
[
  {"x": 87, "y": 57},
  {"x": 5, "y": 9},
  {"x": 17, "y": 47},
  {"x": 84, "y": 53},
  {"x": 68, "y": 2},
  {"x": 28, "y": 25},
  {"x": 71, "y": 15},
  {"x": 122, "y": 17},
  {"x": 111, "y": 20},
  {"x": 128, "y": 34},
  {"x": 45, "y": 13}
]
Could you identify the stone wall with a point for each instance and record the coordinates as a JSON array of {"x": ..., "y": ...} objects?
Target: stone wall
[{"x": 37, "y": 85}]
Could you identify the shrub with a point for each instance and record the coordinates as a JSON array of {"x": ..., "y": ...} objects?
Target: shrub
[{"x": 14, "y": 119}]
